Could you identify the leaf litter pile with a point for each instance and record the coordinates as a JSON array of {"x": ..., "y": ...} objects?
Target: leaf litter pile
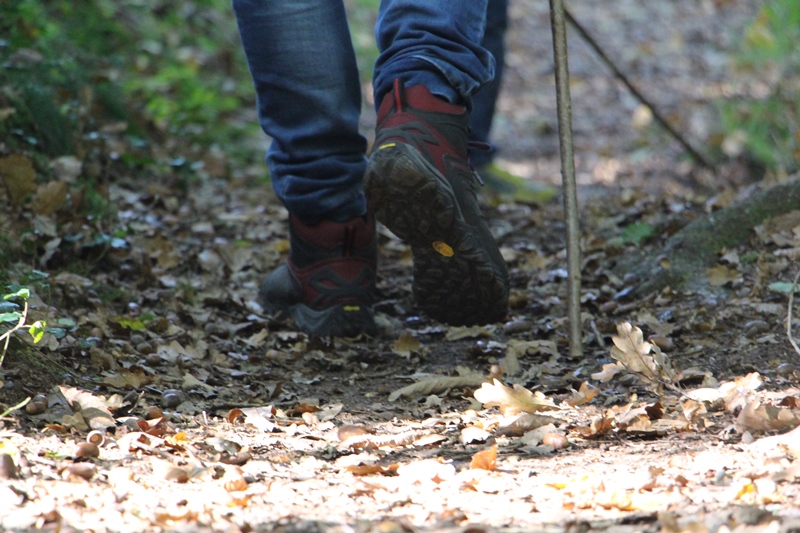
[{"x": 162, "y": 397}]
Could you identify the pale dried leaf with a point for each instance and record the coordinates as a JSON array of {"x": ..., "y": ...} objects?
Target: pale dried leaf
[
  {"x": 94, "y": 409},
  {"x": 584, "y": 394},
  {"x": 437, "y": 384},
  {"x": 513, "y": 400},
  {"x": 608, "y": 372},
  {"x": 757, "y": 417},
  {"x": 468, "y": 332},
  {"x": 406, "y": 344},
  {"x": 720, "y": 275}
]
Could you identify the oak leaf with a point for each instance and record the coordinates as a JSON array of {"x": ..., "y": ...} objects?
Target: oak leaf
[{"x": 513, "y": 400}]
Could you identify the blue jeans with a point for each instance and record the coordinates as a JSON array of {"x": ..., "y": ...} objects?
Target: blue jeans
[
  {"x": 308, "y": 90},
  {"x": 483, "y": 103}
]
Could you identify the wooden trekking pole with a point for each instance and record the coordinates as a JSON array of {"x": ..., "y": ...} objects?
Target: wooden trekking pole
[{"x": 564, "y": 106}]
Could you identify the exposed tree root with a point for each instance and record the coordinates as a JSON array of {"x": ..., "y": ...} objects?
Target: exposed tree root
[{"x": 693, "y": 249}]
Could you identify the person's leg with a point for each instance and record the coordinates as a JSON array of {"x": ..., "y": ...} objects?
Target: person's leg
[
  {"x": 435, "y": 43},
  {"x": 309, "y": 98},
  {"x": 499, "y": 184},
  {"x": 484, "y": 102},
  {"x": 419, "y": 181}
]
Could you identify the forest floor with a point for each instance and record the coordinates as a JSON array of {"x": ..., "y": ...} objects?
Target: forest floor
[{"x": 221, "y": 418}]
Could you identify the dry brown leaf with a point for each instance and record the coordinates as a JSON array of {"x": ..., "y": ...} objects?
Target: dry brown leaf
[
  {"x": 127, "y": 379},
  {"x": 367, "y": 470},
  {"x": 485, "y": 459},
  {"x": 720, "y": 275},
  {"x": 467, "y": 332},
  {"x": 472, "y": 434},
  {"x": 527, "y": 422},
  {"x": 18, "y": 174},
  {"x": 608, "y": 372},
  {"x": 513, "y": 400},
  {"x": 437, "y": 384},
  {"x": 584, "y": 394},
  {"x": 93, "y": 409},
  {"x": 406, "y": 344},
  {"x": 526, "y": 348},
  {"x": 597, "y": 428},
  {"x": 49, "y": 197},
  {"x": 377, "y": 441},
  {"x": 259, "y": 417},
  {"x": 631, "y": 350},
  {"x": 757, "y": 417}
]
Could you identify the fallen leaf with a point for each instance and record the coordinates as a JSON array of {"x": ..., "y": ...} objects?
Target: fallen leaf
[
  {"x": 513, "y": 400},
  {"x": 608, "y": 372},
  {"x": 485, "y": 459},
  {"x": 49, "y": 197},
  {"x": 720, "y": 275},
  {"x": 584, "y": 394},
  {"x": 406, "y": 344},
  {"x": 757, "y": 417},
  {"x": 631, "y": 350},
  {"x": 18, "y": 173},
  {"x": 93, "y": 409},
  {"x": 468, "y": 332},
  {"x": 436, "y": 385}
]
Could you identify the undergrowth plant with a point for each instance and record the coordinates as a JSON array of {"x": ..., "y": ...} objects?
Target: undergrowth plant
[
  {"x": 767, "y": 121},
  {"x": 14, "y": 319}
]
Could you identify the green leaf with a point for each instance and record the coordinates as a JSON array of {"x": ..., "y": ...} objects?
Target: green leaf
[
  {"x": 637, "y": 232},
  {"x": 23, "y": 293},
  {"x": 784, "y": 287},
  {"x": 130, "y": 323},
  {"x": 10, "y": 317},
  {"x": 37, "y": 330}
]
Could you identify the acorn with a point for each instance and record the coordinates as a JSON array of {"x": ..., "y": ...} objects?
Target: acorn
[
  {"x": 152, "y": 412},
  {"x": 87, "y": 449},
  {"x": 82, "y": 470},
  {"x": 172, "y": 398},
  {"x": 96, "y": 437},
  {"x": 556, "y": 440},
  {"x": 37, "y": 405}
]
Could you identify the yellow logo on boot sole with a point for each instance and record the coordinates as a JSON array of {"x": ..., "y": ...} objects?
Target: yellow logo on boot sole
[{"x": 443, "y": 248}]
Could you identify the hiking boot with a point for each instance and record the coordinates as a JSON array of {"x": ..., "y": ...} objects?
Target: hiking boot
[
  {"x": 328, "y": 283},
  {"x": 421, "y": 186}
]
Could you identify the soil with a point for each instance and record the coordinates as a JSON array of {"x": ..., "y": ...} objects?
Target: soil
[{"x": 221, "y": 418}]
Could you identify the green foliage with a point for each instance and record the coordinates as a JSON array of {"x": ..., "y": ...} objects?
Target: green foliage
[
  {"x": 67, "y": 63},
  {"x": 13, "y": 319},
  {"x": 767, "y": 123},
  {"x": 637, "y": 232}
]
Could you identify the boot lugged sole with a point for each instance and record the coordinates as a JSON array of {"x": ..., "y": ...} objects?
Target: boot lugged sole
[
  {"x": 338, "y": 321},
  {"x": 455, "y": 279}
]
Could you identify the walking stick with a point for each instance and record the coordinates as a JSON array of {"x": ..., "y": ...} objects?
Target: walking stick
[{"x": 564, "y": 105}]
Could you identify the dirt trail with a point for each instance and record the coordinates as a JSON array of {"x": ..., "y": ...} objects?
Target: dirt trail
[{"x": 265, "y": 429}]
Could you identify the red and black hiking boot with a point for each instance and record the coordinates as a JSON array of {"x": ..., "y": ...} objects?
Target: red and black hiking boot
[
  {"x": 328, "y": 283},
  {"x": 421, "y": 186}
]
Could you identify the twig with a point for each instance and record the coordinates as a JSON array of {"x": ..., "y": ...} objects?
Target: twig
[
  {"x": 789, "y": 314},
  {"x": 20, "y": 405},
  {"x": 700, "y": 158},
  {"x": 564, "y": 105}
]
